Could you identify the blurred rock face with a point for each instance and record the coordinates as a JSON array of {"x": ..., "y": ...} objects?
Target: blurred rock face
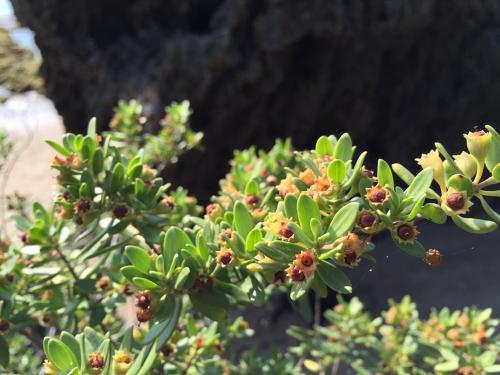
[{"x": 396, "y": 74}]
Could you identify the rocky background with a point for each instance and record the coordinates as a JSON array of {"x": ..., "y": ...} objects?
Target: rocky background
[{"x": 396, "y": 74}]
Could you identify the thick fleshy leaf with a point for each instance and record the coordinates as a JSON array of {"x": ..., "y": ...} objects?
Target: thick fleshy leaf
[
  {"x": 415, "y": 249},
  {"x": 291, "y": 207},
  {"x": 489, "y": 210},
  {"x": 60, "y": 355},
  {"x": 333, "y": 277},
  {"x": 434, "y": 213},
  {"x": 344, "y": 220},
  {"x": 243, "y": 219},
  {"x": 418, "y": 187},
  {"x": 324, "y": 146},
  {"x": 337, "y": 171},
  {"x": 144, "y": 283},
  {"x": 139, "y": 258},
  {"x": 476, "y": 226},
  {"x": 253, "y": 238},
  {"x": 384, "y": 174},
  {"x": 182, "y": 277},
  {"x": 60, "y": 149},
  {"x": 343, "y": 148},
  {"x": 493, "y": 157},
  {"x": 307, "y": 209}
]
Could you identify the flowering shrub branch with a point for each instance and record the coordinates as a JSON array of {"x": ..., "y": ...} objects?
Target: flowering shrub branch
[{"x": 283, "y": 219}]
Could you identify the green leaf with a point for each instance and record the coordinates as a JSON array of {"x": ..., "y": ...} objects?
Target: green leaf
[
  {"x": 337, "y": 171},
  {"x": 211, "y": 303},
  {"x": 307, "y": 209},
  {"x": 139, "y": 258},
  {"x": 4, "y": 352},
  {"x": 493, "y": 157},
  {"x": 343, "y": 148},
  {"x": 494, "y": 369},
  {"x": 242, "y": 219},
  {"x": 71, "y": 342},
  {"x": 60, "y": 149},
  {"x": 403, "y": 173},
  {"x": 254, "y": 237},
  {"x": 476, "y": 226},
  {"x": 172, "y": 324},
  {"x": 324, "y": 146},
  {"x": 148, "y": 363},
  {"x": 117, "y": 178},
  {"x": 60, "y": 355},
  {"x": 252, "y": 188},
  {"x": 98, "y": 162},
  {"x": 434, "y": 213},
  {"x": 384, "y": 174},
  {"x": 415, "y": 249},
  {"x": 356, "y": 170},
  {"x": 144, "y": 283},
  {"x": 446, "y": 366},
  {"x": 460, "y": 182},
  {"x": 489, "y": 210},
  {"x": 300, "y": 234},
  {"x": 91, "y": 127},
  {"x": 453, "y": 166},
  {"x": 496, "y": 172},
  {"x": 299, "y": 290},
  {"x": 274, "y": 253},
  {"x": 344, "y": 220},
  {"x": 130, "y": 272},
  {"x": 174, "y": 240},
  {"x": 291, "y": 207},
  {"x": 182, "y": 277},
  {"x": 418, "y": 187},
  {"x": 334, "y": 278}
]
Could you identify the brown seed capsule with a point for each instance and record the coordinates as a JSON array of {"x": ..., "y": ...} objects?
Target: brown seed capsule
[
  {"x": 225, "y": 258},
  {"x": 4, "y": 325},
  {"x": 405, "y": 232},
  {"x": 350, "y": 258},
  {"x": 433, "y": 258},
  {"x": 120, "y": 211},
  {"x": 465, "y": 371},
  {"x": 82, "y": 205},
  {"x": 167, "y": 350},
  {"x": 279, "y": 278},
  {"x": 199, "y": 342},
  {"x": 143, "y": 300},
  {"x": 456, "y": 201},
  {"x": 66, "y": 195},
  {"x": 286, "y": 232},
  {"x": 295, "y": 274},
  {"x": 366, "y": 219},
  {"x": 252, "y": 200},
  {"x": 102, "y": 283},
  {"x": 96, "y": 361},
  {"x": 143, "y": 315},
  {"x": 377, "y": 195}
]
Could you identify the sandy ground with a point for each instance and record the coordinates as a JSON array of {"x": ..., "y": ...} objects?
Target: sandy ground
[{"x": 29, "y": 119}]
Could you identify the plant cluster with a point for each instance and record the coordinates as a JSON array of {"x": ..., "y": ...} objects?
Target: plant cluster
[{"x": 283, "y": 220}]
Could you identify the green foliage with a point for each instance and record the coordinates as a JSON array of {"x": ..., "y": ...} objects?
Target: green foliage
[
  {"x": 284, "y": 220},
  {"x": 398, "y": 342}
]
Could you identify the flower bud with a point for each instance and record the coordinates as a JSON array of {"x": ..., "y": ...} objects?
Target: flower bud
[
  {"x": 122, "y": 361},
  {"x": 478, "y": 144},
  {"x": 433, "y": 258},
  {"x": 82, "y": 205},
  {"x": 466, "y": 163},
  {"x": 432, "y": 159},
  {"x": 120, "y": 211},
  {"x": 96, "y": 362},
  {"x": 213, "y": 211}
]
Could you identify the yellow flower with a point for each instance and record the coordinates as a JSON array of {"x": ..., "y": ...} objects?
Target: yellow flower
[
  {"x": 466, "y": 163},
  {"x": 432, "y": 159},
  {"x": 286, "y": 186},
  {"x": 121, "y": 362},
  {"x": 49, "y": 368},
  {"x": 276, "y": 224},
  {"x": 478, "y": 144}
]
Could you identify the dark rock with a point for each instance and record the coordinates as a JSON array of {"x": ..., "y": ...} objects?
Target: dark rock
[{"x": 396, "y": 74}]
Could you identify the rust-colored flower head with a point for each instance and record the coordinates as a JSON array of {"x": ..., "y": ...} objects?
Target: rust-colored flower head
[
  {"x": 143, "y": 300},
  {"x": 433, "y": 258},
  {"x": 102, "y": 283},
  {"x": 295, "y": 274},
  {"x": 465, "y": 371},
  {"x": 368, "y": 222},
  {"x": 307, "y": 177},
  {"x": 377, "y": 196},
  {"x": 199, "y": 342},
  {"x": 321, "y": 186},
  {"x": 4, "y": 325},
  {"x": 96, "y": 361},
  {"x": 287, "y": 186},
  {"x": 285, "y": 232},
  {"x": 279, "y": 278},
  {"x": 167, "y": 350},
  {"x": 120, "y": 211},
  {"x": 122, "y": 361},
  {"x": 143, "y": 315},
  {"x": 82, "y": 205},
  {"x": 306, "y": 262},
  {"x": 272, "y": 180},
  {"x": 252, "y": 200},
  {"x": 480, "y": 337},
  {"x": 456, "y": 203},
  {"x": 213, "y": 211},
  {"x": 225, "y": 257},
  {"x": 404, "y": 232},
  {"x": 478, "y": 144},
  {"x": 74, "y": 162}
]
